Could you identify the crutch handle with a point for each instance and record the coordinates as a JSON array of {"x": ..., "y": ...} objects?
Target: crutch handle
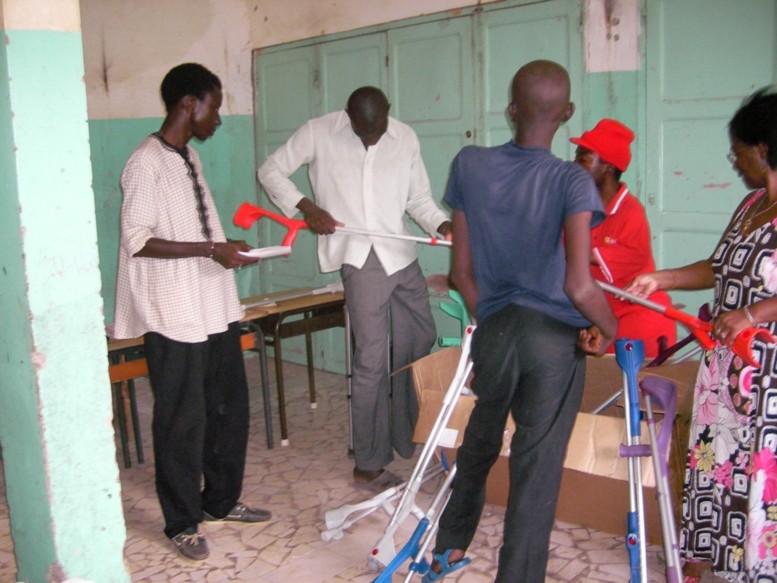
[
  {"x": 248, "y": 213},
  {"x": 743, "y": 343},
  {"x": 630, "y": 355},
  {"x": 664, "y": 393}
]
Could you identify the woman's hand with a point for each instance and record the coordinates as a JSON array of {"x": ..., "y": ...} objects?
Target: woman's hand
[
  {"x": 729, "y": 325},
  {"x": 645, "y": 285}
]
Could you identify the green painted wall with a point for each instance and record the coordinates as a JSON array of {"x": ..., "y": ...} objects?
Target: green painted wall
[
  {"x": 55, "y": 410},
  {"x": 228, "y": 159}
]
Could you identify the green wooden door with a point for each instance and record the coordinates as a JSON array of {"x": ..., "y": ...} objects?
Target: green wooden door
[
  {"x": 512, "y": 37},
  {"x": 294, "y": 85},
  {"x": 703, "y": 57},
  {"x": 432, "y": 89}
]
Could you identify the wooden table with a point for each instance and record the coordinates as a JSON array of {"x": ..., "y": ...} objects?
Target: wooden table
[
  {"x": 273, "y": 318},
  {"x": 268, "y": 319}
]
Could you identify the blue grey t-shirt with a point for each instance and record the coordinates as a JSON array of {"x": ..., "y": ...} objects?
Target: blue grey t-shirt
[{"x": 516, "y": 201}]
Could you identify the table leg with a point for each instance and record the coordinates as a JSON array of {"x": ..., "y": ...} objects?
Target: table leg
[
  {"x": 262, "y": 349},
  {"x": 135, "y": 421},
  {"x": 119, "y": 406},
  {"x": 279, "y": 381},
  {"x": 311, "y": 372},
  {"x": 348, "y": 378}
]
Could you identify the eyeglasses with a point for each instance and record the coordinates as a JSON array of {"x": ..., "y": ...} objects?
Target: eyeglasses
[{"x": 732, "y": 156}]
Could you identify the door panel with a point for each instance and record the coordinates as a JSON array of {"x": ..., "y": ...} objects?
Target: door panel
[
  {"x": 691, "y": 188},
  {"x": 286, "y": 90},
  {"x": 512, "y": 38},
  {"x": 432, "y": 86},
  {"x": 293, "y": 86},
  {"x": 349, "y": 64},
  {"x": 431, "y": 90}
]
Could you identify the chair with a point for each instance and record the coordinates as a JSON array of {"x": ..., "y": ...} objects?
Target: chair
[{"x": 123, "y": 375}]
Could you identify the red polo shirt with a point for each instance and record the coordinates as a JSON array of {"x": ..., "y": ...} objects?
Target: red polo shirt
[{"x": 621, "y": 247}]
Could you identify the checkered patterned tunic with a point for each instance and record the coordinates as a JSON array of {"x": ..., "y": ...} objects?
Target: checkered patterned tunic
[{"x": 182, "y": 299}]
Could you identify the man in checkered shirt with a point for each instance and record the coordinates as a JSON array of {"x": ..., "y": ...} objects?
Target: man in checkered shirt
[{"x": 175, "y": 286}]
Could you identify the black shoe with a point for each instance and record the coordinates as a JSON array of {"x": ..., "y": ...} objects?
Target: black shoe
[
  {"x": 191, "y": 544},
  {"x": 241, "y": 513}
]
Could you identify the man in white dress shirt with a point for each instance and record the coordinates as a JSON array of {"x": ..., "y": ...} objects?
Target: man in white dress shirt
[{"x": 366, "y": 171}]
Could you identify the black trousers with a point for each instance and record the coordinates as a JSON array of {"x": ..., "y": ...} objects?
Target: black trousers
[
  {"x": 525, "y": 364},
  {"x": 200, "y": 425}
]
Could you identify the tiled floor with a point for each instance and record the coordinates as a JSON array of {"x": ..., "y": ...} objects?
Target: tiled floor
[{"x": 299, "y": 483}]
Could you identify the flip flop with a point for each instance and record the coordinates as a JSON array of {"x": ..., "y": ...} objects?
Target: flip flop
[
  {"x": 446, "y": 567},
  {"x": 381, "y": 482}
]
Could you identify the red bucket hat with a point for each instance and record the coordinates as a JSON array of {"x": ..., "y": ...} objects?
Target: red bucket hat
[{"x": 610, "y": 140}]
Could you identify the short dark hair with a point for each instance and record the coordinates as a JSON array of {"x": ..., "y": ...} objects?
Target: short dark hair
[
  {"x": 187, "y": 79},
  {"x": 755, "y": 122},
  {"x": 369, "y": 105}
]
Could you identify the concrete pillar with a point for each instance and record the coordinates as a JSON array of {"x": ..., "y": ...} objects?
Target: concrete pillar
[{"x": 56, "y": 425}]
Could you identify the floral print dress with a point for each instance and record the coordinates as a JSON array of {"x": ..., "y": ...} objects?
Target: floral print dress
[{"x": 730, "y": 497}]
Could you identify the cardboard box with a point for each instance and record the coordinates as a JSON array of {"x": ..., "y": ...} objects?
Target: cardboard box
[{"x": 594, "y": 489}]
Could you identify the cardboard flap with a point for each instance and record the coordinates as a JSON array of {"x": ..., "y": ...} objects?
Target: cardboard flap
[{"x": 594, "y": 448}]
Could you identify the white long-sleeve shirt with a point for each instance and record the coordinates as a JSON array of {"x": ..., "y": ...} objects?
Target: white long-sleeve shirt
[{"x": 363, "y": 188}]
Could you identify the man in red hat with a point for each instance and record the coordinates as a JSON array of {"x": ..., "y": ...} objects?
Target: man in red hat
[{"x": 620, "y": 245}]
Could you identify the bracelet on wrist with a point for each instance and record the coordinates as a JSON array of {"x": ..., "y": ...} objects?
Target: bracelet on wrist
[
  {"x": 211, "y": 249},
  {"x": 749, "y": 317}
]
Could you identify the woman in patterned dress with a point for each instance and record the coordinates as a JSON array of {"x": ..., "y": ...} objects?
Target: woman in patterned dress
[{"x": 729, "y": 517}]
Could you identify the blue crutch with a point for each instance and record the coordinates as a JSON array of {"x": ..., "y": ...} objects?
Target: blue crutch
[
  {"x": 630, "y": 354},
  {"x": 418, "y": 543}
]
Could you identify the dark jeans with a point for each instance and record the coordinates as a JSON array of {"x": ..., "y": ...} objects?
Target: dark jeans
[
  {"x": 200, "y": 425},
  {"x": 526, "y": 364}
]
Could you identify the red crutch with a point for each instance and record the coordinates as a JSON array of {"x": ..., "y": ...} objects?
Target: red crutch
[
  {"x": 743, "y": 343},
  {"x": 247, "y": 213}
]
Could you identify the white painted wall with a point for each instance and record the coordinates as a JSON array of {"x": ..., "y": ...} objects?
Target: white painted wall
[
  {"x": 130, "y": 45},
  {"x": 39, "y": 15},
  {"x": 280, "y": 21}
]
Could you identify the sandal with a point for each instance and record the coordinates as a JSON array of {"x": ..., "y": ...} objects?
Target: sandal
[
  {"x": 691, "y": 579},
  {"x": 445, "y": 567}
]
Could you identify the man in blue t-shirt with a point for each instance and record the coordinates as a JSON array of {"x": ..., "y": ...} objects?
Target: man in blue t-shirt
[{"x": 521, "y": 223}]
